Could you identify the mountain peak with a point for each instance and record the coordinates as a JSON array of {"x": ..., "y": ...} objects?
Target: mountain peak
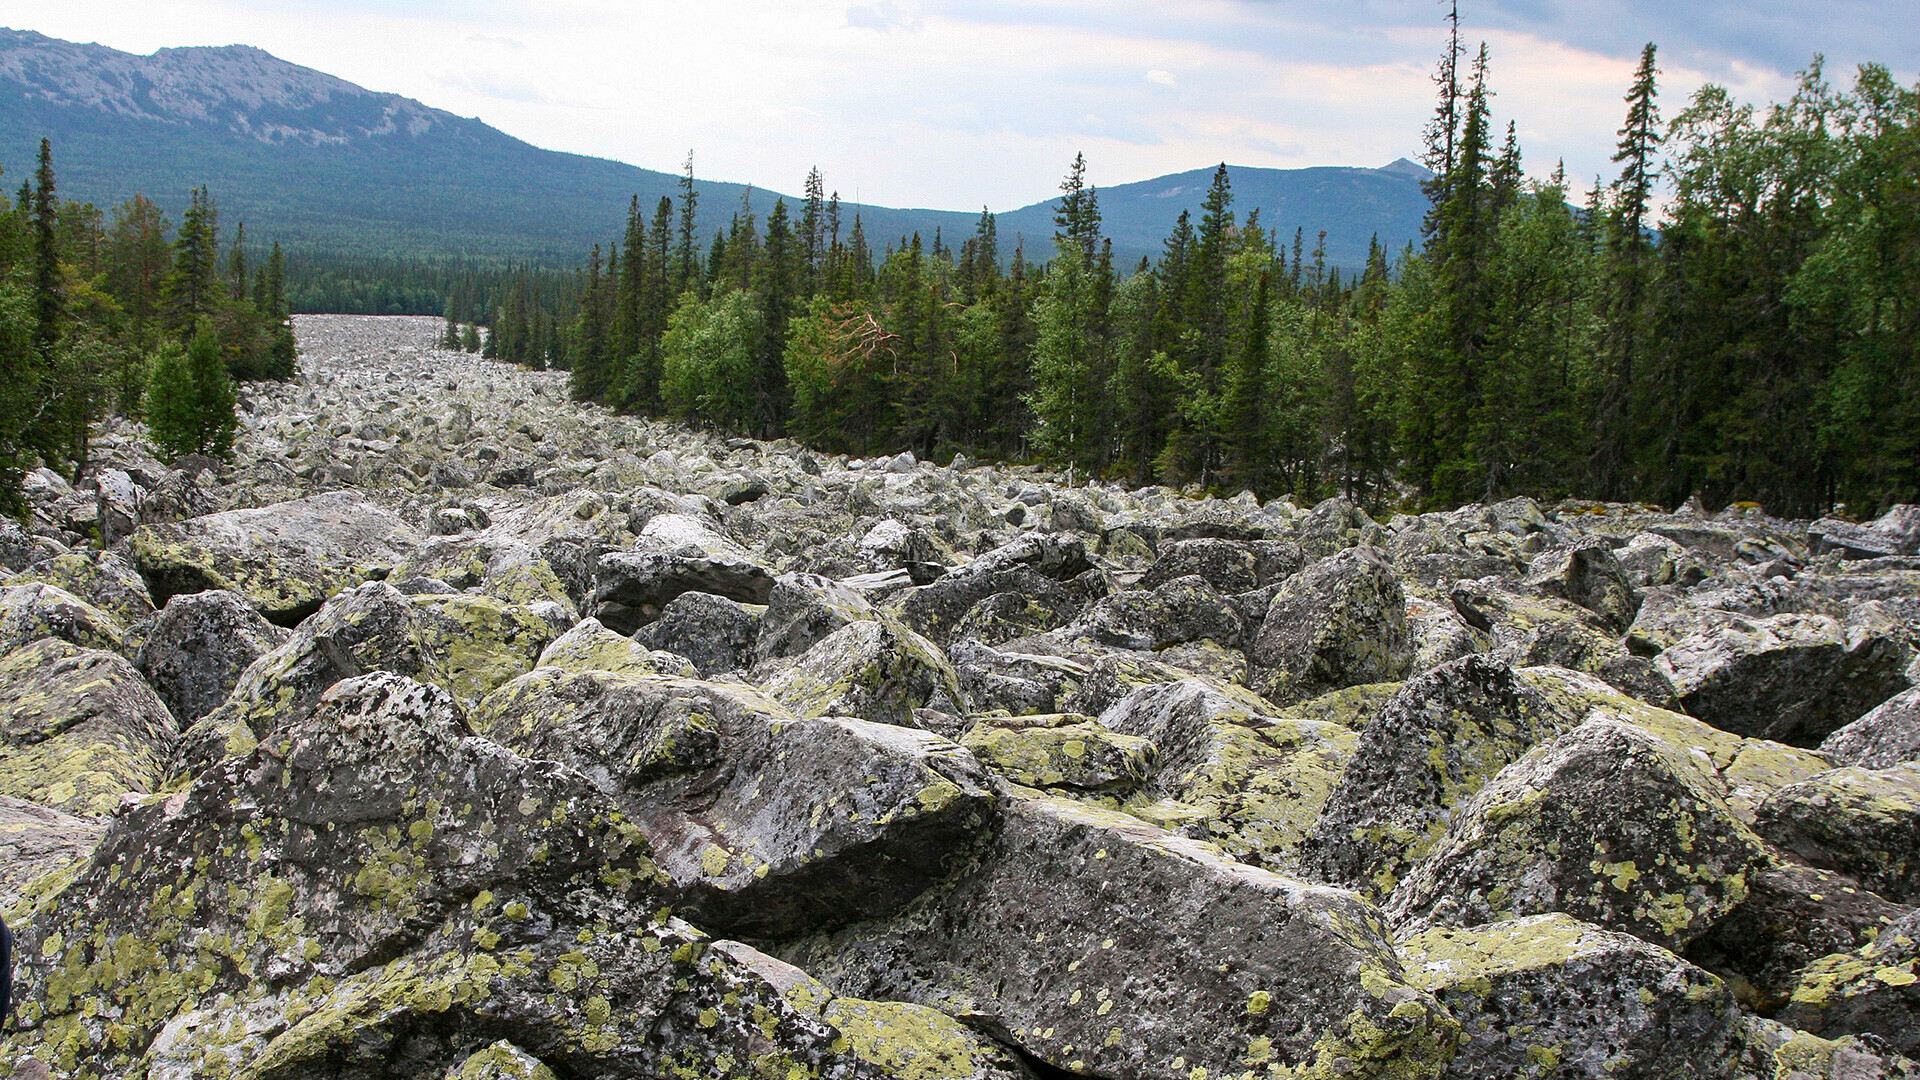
[
  {"x": 241, "y": 89},
  {"x": 1404, "y": 167}
]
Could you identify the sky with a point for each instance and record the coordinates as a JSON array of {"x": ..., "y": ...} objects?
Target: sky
[{"x": 959, "y": 105}]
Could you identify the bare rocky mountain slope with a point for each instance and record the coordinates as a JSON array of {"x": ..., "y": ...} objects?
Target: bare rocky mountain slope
[{"x": 461, "y": 731}]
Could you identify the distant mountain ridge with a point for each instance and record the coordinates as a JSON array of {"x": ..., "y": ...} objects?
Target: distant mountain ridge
[{"x": 322, "y": 164}]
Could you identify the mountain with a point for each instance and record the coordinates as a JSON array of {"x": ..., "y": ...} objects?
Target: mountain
[{"x": 319, "y": 163}]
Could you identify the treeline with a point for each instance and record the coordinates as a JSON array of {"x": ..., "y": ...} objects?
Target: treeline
[
  {"x": 468, "y": 289},
  {"x": 1757, "y": 339},
  {"x": 121, "y": 315}
]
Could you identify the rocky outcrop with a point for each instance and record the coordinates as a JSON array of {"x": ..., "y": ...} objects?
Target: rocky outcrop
[{"x": 523, "y": 739}]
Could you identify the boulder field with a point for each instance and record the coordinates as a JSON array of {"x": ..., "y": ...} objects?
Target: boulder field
[{"x": 457, "y": 730}]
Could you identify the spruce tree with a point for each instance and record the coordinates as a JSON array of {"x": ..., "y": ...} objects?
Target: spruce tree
[
  {"x": 190, "y": 398},
  {"x": 1630, "y": 266}
]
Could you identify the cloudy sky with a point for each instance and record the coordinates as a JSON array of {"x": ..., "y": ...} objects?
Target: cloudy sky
[{"x": 955, "y": 105}]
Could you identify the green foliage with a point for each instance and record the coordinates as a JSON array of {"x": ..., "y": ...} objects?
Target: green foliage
[
  {"x": 707, "y": 360},
  {"x": 190, "y": 398},
  {"x": 1762, "y": 342},
  {"x": 82, "y": 303},
  {"x": 839, "y": 360}
]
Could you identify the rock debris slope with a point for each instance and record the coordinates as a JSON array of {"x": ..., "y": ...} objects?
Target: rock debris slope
[{"x": 461, "y": 731}]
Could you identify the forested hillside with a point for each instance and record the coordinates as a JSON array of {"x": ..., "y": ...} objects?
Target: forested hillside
[{"x": 1756, "y": 339}]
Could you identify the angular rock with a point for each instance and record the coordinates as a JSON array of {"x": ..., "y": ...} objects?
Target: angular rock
[
  {"x": 79, "y": 728},
  {"x": 632, "y": 587},
  {"x": 36, "y": 842},
  {"x": 1864, "y": 823},
  {"x": 1333, "y": 525},
  {"x": 1774, "y": 1050},
  {"x": 1231, "y": 771},
  {"x": 1180, "y": 610},
  {"x": 589, "y": 646},
  {"x": 1416, "y": 765},
  {"x": 1872, "y": 990},
  {"x": 1339, "y": 622},
  {"x": 906, "y": 1041},
  {"x": 1528, "y": 629},
  {"x": 765, "y": 826},
  {"x": 501, "y": 1061},
  {"x": 506, "y": 568},
  {"x": 1587, "y": 573},
  {"x": 1897, "y": 532},
  {"x": 1061, "y": 751},
  {"x": 101, "y": 578},
  {"x": 941, "y": 609},
  {"x": 1791, "y": 678},
  {"x": 478, "y": 642},
  {"x": 465, "y": 643},
  {"x": 287, "y": 558},
  {"x": 1793, "y": 915},
  {"x": 716, "y": 633},
  {"x": 1605, "y": 823},
  {"x": 1885, "y": 737},
  {"x": 1227, "y": 566},
  {"x": 33, "y": 611},
  {"x": 195, "y": 652},
  {"x": 1021, "y": 684},
  {"x": 823, "y": 822},
  {"x": 802, "y": 609},
  {"x": 386, "y": 889},
  {"x": 875, "y": 670},
  {"x": 1149, "y": 954},
  {"x": 1551, "y": 996}
]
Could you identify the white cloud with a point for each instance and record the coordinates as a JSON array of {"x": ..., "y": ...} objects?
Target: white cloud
[
  {"x": 1162, "y": 77},
  {"x": 883, "y": 16}
]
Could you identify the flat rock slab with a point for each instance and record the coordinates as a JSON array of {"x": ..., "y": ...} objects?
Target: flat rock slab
[{"x": 287, "y": 558}]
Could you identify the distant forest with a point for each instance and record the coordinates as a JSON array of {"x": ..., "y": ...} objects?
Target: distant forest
[
  {"x": 1758, "y": 338},
  {"x": 126, "y": 315}
]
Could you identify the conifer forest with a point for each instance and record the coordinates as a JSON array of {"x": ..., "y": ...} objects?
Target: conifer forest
[
  {"x": 1735, "y": 316},
  {"x": 130, "y": 316}
]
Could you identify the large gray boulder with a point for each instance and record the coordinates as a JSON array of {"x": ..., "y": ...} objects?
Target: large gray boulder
[
  {"x": 1102, "y": 946},
  {"x": 381, "y": 890},
  {"x": 1605, "y": 823},
  {"x": 464, "y": 643},
  {"x": 1550, "y": 996},
  {"x": 1587, "y": 573},
  {"x": 716, "y": 633},
  {"x": 633, "y": 587},
  {"x": 876, "y": 670},
  {"x": 1791, "y": 678},
  {"x": 196, "y": 650},
  {"x": 1873, "y": 990},
  {"x": 1417, "y": 763},
  {"x": 762, "y": 825},
  {"x": 1864, "y": 823},
  {"x": 31, "y": 611},
  {"x": 79, "y": 728},
  {"x": 1180, "y": 610},
  {"x": 1339, "y": 622},
  {"x": 36, "y": 842},
  {"x": 1884, "y": 737},
  {"x": 1231, "y": 768},
  {"x": 101, "y": 578},
  {"x": 286, "y": 558},
  {"x": 1793, "y": 915}
]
